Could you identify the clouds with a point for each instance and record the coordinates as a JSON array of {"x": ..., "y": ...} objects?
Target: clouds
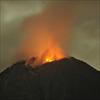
[{"x": 85, "y": 33}]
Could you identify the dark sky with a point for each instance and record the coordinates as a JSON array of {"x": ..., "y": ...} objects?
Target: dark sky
[{"x": 84, "y": 15}]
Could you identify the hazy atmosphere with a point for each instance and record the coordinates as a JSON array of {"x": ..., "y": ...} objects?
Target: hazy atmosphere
[{"x": 30, "y": 18}]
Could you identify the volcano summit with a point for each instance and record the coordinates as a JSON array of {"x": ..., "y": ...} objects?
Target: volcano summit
[{"x": 65, "y": 79}]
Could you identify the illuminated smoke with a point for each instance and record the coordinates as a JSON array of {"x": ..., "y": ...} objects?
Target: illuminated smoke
[{"x": 49, "y": 27}]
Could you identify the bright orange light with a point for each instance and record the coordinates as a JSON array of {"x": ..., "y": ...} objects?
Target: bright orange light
[
  {"x": 49, "y": 56},
  {"x": 49, "y": 59},
  {"x": 52, "y": 53}
]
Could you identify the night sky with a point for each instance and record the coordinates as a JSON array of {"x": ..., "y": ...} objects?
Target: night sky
[{"x": 83, "y": 15}]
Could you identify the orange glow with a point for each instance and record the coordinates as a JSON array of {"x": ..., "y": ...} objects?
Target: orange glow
[
  {"x": 54, "y": 52},
  {"x": 49, "y": 59},
  {"x": 48, "y": 56},
  {"x": 44, "y": 51}
]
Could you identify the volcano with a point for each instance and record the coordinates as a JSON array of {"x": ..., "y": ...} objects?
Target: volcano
[{"x": 64, "y": 79}]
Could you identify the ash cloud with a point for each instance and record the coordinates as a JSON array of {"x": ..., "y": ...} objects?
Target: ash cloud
[{"x": 85, "y": 30}]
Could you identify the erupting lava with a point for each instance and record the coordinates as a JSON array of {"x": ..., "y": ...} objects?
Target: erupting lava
[
  {"x": 52, "y": 53},
  {"x": 43, "y": 51}
]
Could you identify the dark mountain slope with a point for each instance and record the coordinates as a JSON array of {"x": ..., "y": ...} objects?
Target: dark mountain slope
[{"x": 66, "y": 79}]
